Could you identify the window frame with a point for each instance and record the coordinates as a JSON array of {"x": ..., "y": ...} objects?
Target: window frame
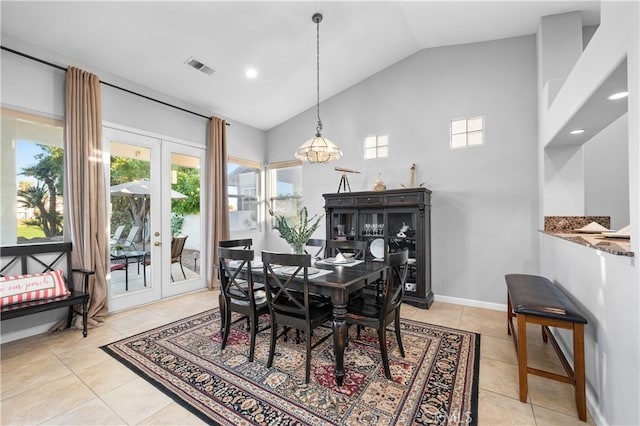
[
  {"x": 481, "y": 131},
  {"x": 21, "y": 133},
  {"x": 252, "y": 198},
  {"x": 377, "y": 147},
  {"x": 296, "y": 198}
]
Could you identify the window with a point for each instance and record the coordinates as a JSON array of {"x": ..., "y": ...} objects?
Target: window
[
  {"x": 243, "y": 179},
  {"x": 32, "y": 178},
  {"x": 376, "y": 146},
  {"x": 285, "y": 187},
  {"x": 467, "y": 132}
]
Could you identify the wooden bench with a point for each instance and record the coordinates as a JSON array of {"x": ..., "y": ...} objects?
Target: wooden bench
[
  {"x": 37, "y": 258},
  {"x": 534, "y": 299}
]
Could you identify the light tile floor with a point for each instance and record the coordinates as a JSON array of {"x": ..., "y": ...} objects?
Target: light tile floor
[{"x": 63, "y": 379}]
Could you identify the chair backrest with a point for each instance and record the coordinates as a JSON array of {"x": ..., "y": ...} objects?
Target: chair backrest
[
  {"x": 319, "y": 247},
  {"x": 245, "y": 243},
  {"x": 236, "y": 279},
  {"x": 357, "y": 247},
  {"x": 280, "y": 271},
  {"x": 395, "y": 280},
  {"x": 133, "y": 232},
  {"x": 177, "y": 245},
  {"x": 117, "y": 234}
]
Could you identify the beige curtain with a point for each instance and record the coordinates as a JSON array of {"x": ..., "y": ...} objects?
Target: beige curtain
[
  {"x": 217, "y": 205},
  {"x": 86, "y": 208}
]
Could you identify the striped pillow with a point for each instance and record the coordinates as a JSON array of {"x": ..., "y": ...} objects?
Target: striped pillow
[{"x": 24, "y": 288}]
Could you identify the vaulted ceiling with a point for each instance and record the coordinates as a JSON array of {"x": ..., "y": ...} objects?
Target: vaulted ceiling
[{"x": 145, "y": 44}]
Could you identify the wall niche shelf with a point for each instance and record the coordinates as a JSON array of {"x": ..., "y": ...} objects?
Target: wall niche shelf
[{"x": 597, "y": 112}]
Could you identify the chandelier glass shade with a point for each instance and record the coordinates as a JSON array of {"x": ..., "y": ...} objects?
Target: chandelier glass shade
[{"x": 318, "y": 149}]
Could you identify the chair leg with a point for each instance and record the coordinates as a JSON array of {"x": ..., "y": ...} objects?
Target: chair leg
[
  {"x": 182, "y": 267},
  {"x": 227, "y": 327},
  {"x": 398, "y": 336},
  {"x": 252, "y": 342},
  {"x": 308, "y": 365},
  {"x": 382, "y": 336},
  {"x": 272, "y": 346}
]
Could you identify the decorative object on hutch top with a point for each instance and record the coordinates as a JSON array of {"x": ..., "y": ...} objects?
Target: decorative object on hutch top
[
  {"x": 344, "y": 182},
  {"x": 390, "y": 221},
  {"x": 318, "y": 149}
]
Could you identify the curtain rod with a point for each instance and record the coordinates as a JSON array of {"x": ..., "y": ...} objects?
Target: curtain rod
[{"x": 42, "y": 61}]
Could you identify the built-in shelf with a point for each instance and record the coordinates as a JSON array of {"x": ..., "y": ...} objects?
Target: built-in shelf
[{"x": 597, "y": 113}]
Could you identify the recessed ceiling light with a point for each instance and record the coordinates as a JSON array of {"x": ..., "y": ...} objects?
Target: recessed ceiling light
[
  {"x": 251, "y": 73},
  {"x": 619, "y": 95},
  {"x": 577, "y": 131}
]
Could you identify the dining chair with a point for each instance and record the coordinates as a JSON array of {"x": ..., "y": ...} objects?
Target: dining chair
[
  {"x": 289, "y": 306},
  {"x": 377, "y": 312},
  {"x": 357, "y": 247},
  {"x": 244, "y": 243},
  {"x": 177, "y": 247},
  {"x": 316, "y": 248},
  {"x": 239, "y": 293}
]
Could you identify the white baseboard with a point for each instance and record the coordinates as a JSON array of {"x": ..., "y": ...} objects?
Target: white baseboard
[{"x": 471, "y": 302}]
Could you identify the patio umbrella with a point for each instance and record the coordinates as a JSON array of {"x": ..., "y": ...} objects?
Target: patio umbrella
[{"x": 140, "y": 188}]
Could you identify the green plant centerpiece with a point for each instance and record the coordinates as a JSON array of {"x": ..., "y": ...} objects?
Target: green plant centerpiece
[{"x": 298, "y": 230}]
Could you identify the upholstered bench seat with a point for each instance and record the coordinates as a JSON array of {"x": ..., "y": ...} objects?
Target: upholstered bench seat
[{"x": 535, "y": 299}]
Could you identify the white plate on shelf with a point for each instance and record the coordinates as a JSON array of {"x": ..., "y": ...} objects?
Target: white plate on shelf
[
  {"x": 592, "y": 228},
  {"x": 620, "y": 233},
  {"x": 377, "y": 248}
]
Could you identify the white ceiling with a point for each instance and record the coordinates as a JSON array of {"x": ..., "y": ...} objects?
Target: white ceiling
[{"x": 148, "y": 42}]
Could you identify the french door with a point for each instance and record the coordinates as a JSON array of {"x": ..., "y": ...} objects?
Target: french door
[{"x": 154, "y": 187}]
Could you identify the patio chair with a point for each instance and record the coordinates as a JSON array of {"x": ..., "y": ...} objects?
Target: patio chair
[
  {"x": 115, "y": 238},
  {"x": 177, "y": 246},
  {"x": 128, "y": 243}
]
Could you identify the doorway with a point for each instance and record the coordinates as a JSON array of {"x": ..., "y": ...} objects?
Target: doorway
[{"x": 155, "y": 222}]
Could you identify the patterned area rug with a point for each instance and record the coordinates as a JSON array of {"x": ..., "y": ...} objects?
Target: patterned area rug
[{"x": 437, "y": 382}]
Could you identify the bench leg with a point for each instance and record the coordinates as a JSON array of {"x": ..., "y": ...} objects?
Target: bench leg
[
  {"x": 69, "y": 316},
  {"x": 522, "y": 356},
  {"x": 579, "y": 370}
]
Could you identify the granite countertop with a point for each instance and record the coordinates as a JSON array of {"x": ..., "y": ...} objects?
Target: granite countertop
[
  {"x": 564, "y": 227},
  {"x": 618, "y": 246}
]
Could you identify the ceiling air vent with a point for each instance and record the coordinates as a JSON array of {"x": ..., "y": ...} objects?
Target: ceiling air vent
[{"x": 196, "y": 64}]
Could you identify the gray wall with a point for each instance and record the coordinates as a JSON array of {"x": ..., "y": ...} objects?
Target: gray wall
[
  {"x": 484, "y": 212},
  {"x": 606, "y": 176}
]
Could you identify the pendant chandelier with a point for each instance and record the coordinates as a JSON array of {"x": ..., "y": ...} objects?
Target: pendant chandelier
[{"x": 318, "y": 149}]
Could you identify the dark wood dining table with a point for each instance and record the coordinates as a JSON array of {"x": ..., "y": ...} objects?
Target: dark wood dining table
[{"x": 338, "y": 284}]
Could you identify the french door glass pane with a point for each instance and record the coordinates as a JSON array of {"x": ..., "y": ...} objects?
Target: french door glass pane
[
  {"x": 185, "y": 217},
  {"x": 130, "y": 208}
]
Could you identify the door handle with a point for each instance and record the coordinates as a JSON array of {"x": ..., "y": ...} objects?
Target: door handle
[{"x": 157, "y": 243}]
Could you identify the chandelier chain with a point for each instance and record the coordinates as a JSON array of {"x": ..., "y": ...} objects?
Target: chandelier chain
[{"x": 319, "y": 128}]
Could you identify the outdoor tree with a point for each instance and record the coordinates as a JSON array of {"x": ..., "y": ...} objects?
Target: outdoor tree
[
  {"x": 128, "y": 209},
  {"x": 134, "y": 209},
  {"x": 43, "y": 196}
]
